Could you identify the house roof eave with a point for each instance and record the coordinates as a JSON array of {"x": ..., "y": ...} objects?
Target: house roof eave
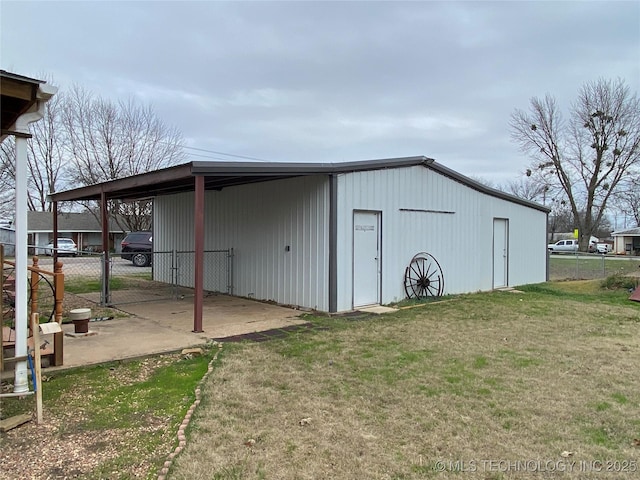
[{"x": 631, "y": 232}]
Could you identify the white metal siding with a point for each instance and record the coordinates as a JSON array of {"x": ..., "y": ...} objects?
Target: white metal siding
[
  {"x": 461, "y": 241},
  {"x": 421, "y": 210},
  {"x": 259, "y": 221}
]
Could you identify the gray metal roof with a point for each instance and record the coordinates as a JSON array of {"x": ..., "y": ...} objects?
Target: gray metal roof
[
  {"x": 632, "y": 232},
  {"x": 219, "y": 175}
]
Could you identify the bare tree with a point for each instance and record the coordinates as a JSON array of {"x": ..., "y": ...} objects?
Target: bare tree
[
  {"x": 560, "y": 220},
  {"x": 628, "y": 200},
  {"x": 7, "y": 179},
  {"x": 84, "y": 139},
  {"x": 45, "y": 157},
  {"x": 133, "y": 216},
  {"x": 114, "y": 140},
  {"x": 110, "y": 140},
  {"x": 587, "y": 156},
  {"x": 529, "y": 189}
]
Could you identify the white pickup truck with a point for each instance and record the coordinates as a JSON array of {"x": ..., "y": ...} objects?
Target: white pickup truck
[{"x": 563, "y": 246}]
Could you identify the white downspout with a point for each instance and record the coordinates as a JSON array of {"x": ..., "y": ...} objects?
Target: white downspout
[{"x": 45, "y": 92}]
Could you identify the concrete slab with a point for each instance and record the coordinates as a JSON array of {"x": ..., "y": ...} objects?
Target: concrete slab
[{"x": 164, "y": 326}]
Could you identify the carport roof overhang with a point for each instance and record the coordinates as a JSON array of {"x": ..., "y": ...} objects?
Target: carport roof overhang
[{"x": 219, "y": 175}]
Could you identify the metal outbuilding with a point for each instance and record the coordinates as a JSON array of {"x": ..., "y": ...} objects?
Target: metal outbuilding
[{"x": 339, "y": 236}]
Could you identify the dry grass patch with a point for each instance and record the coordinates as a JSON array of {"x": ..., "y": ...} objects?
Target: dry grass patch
[{"x": 491, "y": 377}]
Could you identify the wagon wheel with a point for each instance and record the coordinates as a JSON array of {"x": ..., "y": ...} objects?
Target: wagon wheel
[
  {"x": 8, "y": 295},
  {"x": 46, "y": 297},
  {"x": 423, "y": 277}
]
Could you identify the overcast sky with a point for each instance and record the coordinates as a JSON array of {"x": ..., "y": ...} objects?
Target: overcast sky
[{"x": 331, "y": 81}]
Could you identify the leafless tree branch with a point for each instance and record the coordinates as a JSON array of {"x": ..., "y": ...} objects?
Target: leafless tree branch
[{"x": 589, "y": 155}]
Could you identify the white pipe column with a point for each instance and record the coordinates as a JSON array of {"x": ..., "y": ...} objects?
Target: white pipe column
[{"x": 21, "y": 383}]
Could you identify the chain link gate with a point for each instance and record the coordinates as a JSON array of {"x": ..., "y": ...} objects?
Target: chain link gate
[{"x": 169, "y": 276}]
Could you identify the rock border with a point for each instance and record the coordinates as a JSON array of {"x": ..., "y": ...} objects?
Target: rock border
[{"x": 182, "y": 438}]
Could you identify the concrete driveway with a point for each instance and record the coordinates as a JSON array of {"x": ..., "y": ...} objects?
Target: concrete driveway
[{"x": 163, "y": 326}]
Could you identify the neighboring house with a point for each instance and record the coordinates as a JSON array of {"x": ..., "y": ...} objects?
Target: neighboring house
[
  {"x": 338, "y": 236},
  {"x": 627, "y": 242},
  {"x": 83, "y": 228}
]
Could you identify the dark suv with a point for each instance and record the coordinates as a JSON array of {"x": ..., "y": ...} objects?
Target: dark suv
[{"x": 138, "y": 247}]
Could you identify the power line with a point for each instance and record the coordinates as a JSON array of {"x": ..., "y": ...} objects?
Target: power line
[
  {"x": 208, "y": 156},
  {"x": 223, "y": 153}
]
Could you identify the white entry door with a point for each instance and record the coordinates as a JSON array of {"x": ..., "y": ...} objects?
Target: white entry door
[
  {"x": 366, "y": 258},
  {"x": 500, "y": 252}
]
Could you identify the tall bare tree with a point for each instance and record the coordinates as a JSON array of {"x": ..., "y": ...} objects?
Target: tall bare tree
[
  {"x": 589, "y": 155},
  {"x": 45, "y": 157},
  {"x": 84, "y": 139},
  {"x": 110, "y": 140}
]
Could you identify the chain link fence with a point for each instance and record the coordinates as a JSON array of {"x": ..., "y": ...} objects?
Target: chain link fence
[
  {"x": 167, "y": 275},
  {"x": 591, "y": 266},
  {"x": 170, "y": 274}
]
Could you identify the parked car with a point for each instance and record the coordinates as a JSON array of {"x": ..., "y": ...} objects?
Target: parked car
[
  {"x": 66, "y": 246},
  {"x": 563, "y": 246},
  {"x": 603, "y": 248},
  {"x": 137, "y": 247}
]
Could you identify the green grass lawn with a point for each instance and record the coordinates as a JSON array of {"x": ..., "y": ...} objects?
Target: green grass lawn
[
  {"x": 83, "y": 284},
  {"x": 482, "y": 386},
  {"x": 471, "y": 386}
]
